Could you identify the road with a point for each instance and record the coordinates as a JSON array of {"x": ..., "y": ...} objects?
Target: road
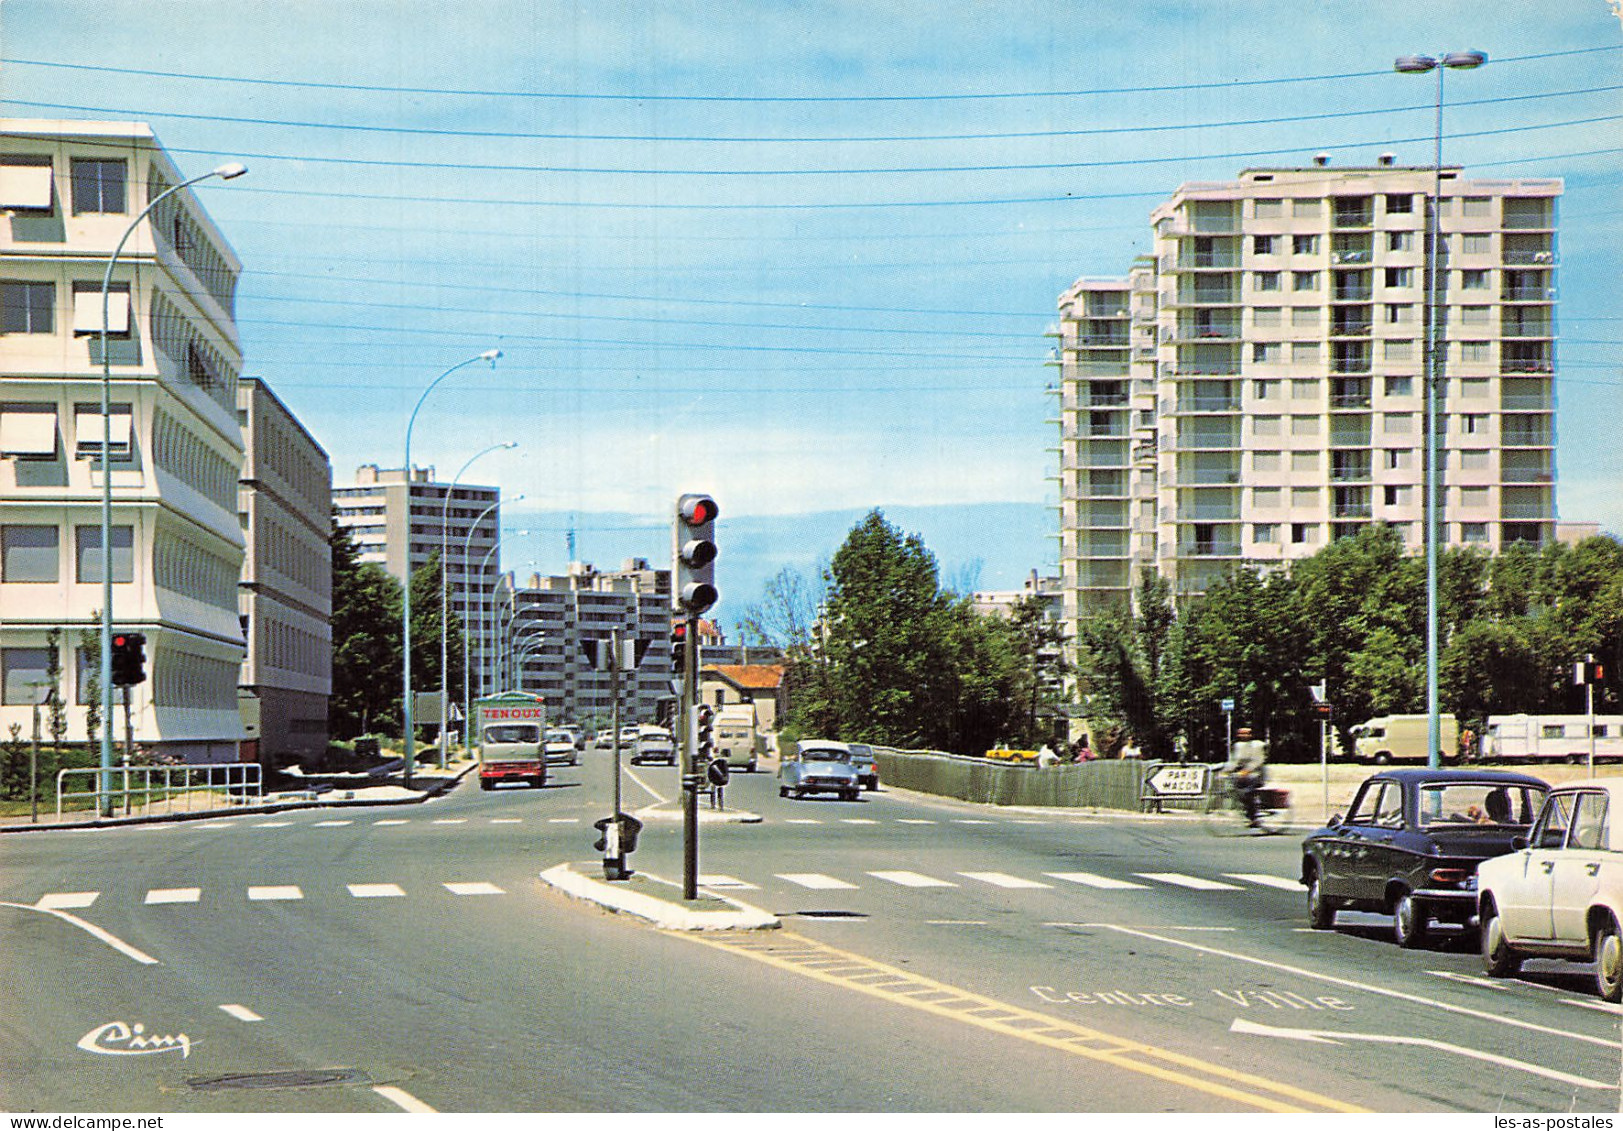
[{"x": 379, "y": 958}]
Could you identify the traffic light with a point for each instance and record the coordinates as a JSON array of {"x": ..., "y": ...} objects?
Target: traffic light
[
  {"x": 129, "y": 659},
  {"x": 695, "y": 553},
  {"x": 679, "y": 640},
  {"x": 707, "y": 738},
  {"x": 1590, "y": 671}
]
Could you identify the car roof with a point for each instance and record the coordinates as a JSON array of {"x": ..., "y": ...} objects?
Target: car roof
[
  {"x": 1419, "y": 776},
  {"x": 1612, "y": 785}
]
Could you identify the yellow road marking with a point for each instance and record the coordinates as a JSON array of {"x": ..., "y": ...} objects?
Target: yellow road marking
[{"x": 787, "y": 951}]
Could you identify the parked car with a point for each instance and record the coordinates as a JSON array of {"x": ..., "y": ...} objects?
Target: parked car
[
  {"x": 865, "y": 764},
  {"x": 652, "y": 744},
  {"x": 1410, "y": 845},
  {"x": 1559, "y": 893},
  {"x": 576, "y": 733},
  {"x": 559, "y": 747},
  {"x": 818, "y": 766}
]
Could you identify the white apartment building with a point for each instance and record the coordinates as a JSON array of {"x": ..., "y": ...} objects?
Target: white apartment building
[
  {"x": 68, "y": 191},
  {"x": 467, "y": 519},
  {"x": 285, "y": 504},
  {"x": 1255, "y": 388}
]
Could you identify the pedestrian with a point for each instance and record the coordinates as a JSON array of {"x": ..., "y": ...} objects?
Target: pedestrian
[
  {"x": 718, "y": 773},
  {"x": 1046, "y": 757}
]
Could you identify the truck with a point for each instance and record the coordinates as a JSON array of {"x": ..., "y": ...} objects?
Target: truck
[
  {"x": 737, "y": 736},
  {"x": 1551, "y": 738},
  {"x": 1402, "y": 738},
  {"x": 512, "y": 728}
]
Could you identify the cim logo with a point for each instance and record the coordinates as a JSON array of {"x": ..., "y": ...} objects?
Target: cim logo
[{"x": 119, "y": 1039}]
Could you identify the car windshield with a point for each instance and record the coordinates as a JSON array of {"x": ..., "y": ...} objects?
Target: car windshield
[
  {"x": 824, "y": 754},
  {"x": 1478, "y": 803},
  {"x": 510, "y": 734}
]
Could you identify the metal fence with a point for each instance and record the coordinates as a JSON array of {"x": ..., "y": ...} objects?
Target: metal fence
[{"x": 163, "y": 790}]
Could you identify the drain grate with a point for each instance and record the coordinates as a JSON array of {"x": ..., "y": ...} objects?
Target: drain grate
[{"x": 294, "y": 1078}]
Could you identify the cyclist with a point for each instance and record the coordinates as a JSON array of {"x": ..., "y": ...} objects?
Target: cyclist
[{"x": 1247, "y": 771}]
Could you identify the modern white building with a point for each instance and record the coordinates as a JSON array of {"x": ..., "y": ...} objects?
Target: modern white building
[
  {"x": 68, "y": 191},
  {"x": 1255, "y": 388}
]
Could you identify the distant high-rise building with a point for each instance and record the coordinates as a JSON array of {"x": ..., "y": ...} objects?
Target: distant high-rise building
[{"x": 1255, "y": 388}]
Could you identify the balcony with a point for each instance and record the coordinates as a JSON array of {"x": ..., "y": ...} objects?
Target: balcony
[
  {"x": 1209, "y": 261},
  {"x": 1352, "y": 292},
  {"x": 1526, "y": 510},
  {"x": 1351, "y": 327},
  {"x": 1213, "y": 549},
  {"x": 1526, "y": 402},
  {"x": 1526, "y": 365},
  {"x": 1527, "y": 438},
  {"x": 1209, "y": 404},
  {"x": 1349, "y": 401},
  {"x": 1527, "y": 475},
  {"x": 1527, "y": 294},
  {"x": 1341, "y": 258},
  {"x": 1521, "y": 257}
]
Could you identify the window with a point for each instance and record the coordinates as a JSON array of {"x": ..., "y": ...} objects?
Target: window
[
  {"x": 98, "y": 185},
  {"x": 1400, "y": 313},
  {"x": 28, "y": 308},
  {"x": 1479, "y": 459},
  {"x": 1399, "y": 202},
  {"x": 1394, "y": 496},
  {"x": 1473, "y": 532},
  {"x": 1399, "y": 386},
  {"x": 1304, "y": 497},
  {"x": 1306, "y": 316},
  {"x": 25, "y": 181},
  {"x": 86, "y": 672},
  {"x": 87, "y": 554},
  {"x": 1474, "y": 423},
  {"x": 1398, "y": 458},
  {"x": 1475, "y": 315},
  {"x": 1305, "y": 353},
  {"x": 1399, "y": 241},
  {"x": 1551, "y": 829},
  {"x": 1589, "y": 822},
  {"x": 1473, "y": 498},
  {"x": 1398, "y": 349},
  {"x": 1304, "y": 245},
  {"x": 1265, "y": 280},
  {"x": 27, "y": 431},
  {"x": 1265, "y": 390},
  {"x": 1265, "y": 498},
  {"x": 1268, "y": 352},
  {"x": 1474, "y": 279},
  {"x": 87, "y": 309},
  {"x": 1476, "y": 351},
  {"x": 28, "y": 554},
  {"x": 1400, "y": 276},
  {"x": 1476, "y": 243},
  {"x": 1265, "y": 425},
  {"x": 1307, "y": 208},
  {"x": 1265, "y": 533},
  {"x": 1305, "y": 389},
  {"x": 1304, "y": 461},
  {"x": 1389, "y": 813},
  {"x": 1363, "y": 810},
  {"x": 24, "y": 675},
  {"x": 88, "y": 430},
  {"x": 1393, "y": 423},
  {"x": 1264, "y": 461},
  {"x": 1476, "y": 206},
  {"x": 1264, "y": 245},
  {"x": 1266, "y": 316},
  {"x": 1304, "y": 280},
  {"x": 1269, "y": 208},
  {"x": 1304, "y": 533},
  {"x": 1473, "y": 387}
]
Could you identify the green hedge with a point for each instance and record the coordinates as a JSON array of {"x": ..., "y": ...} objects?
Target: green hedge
[{"x": 1103, "y": 785}]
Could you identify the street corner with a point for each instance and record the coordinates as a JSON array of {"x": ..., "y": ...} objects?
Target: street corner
[{"x": 658, "y": 900}]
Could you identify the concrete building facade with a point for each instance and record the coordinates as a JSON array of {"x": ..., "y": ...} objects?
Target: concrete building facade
[
  {"x": 68, "y": 191},
  {"x": 284, "y": 501},
  {"x": 1255, "y": 388}
]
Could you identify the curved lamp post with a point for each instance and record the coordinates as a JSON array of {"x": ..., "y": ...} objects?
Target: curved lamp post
[
  {"x": 1412, "y": 65},
  {"x": 467, "y": 685},
  {"x": 405, "y": 605},
  {"x": 484, "y": 563},
  {"x": 227, "y": 172},
  {"x": 445, "y": 589}
]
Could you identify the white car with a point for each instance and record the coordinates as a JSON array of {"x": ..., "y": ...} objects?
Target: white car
[
  {"x": 559, "y": 747},
  {"x": 1560, "y": 896},
  {"x": 653, "y": 745}
]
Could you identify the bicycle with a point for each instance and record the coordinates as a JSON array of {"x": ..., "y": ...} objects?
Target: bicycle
[{"x": 1225, "y": 815}]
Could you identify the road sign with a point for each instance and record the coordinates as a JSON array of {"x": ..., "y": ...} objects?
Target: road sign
[
  {"x": 1228, "y": 706},
  {"x": 1176, "y": 781}
]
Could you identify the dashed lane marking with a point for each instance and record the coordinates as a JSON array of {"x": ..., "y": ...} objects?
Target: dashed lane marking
[
  {"x": 971, "y": 821},
  {"x": 784, "y": 950},
  {"x": 802, "y": 821},
  {"x": 272, "y": 824},
  {"x": 1004, "y": 880},
  {"x": 174, "y": 895},
  {"x": 404, "y": 1100},
  {"x": 1088, "y": 879},
  {"x": 241, "y": 1012},
  {"x": 1266, "y": 881},
  {"x": 913, "y": 880},
  {"x": 563, "y": 820},
  {"x": 507, "y": 820},
  {"x": 392, "y": 821},
  {"x": 450, "y": 820},
  {"x": 218, "y": 825},
  {"x": 274, "y": 892},
  {"x": 913, "y": 821},
  {"x": 66, "y": 900},
  {"x": 376, "y": 891},
  {"x": 331, "y": 824},
  {"x": 816, "y": 881},
  {"x": 719, "y": 880},
  {"x": 858, "y": 821},
  {"x": 477, "y": 888},
  {"x": 1178, "y": 879}
]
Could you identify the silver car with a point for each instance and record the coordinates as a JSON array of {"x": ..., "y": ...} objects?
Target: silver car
[{"x": 819, "y": 767}]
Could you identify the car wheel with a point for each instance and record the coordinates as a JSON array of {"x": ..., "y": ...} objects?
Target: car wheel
[
  {"x": 486, "y": 783},
  {"x": 1608, "y": 953},
  {"x": 1321, "y": 911},
  {"x": 1409, "y": 921},
  {"x": 850, "y": 795},
  {"x": 1497, "y": 957},
  {"x": 783, "y": 791}
]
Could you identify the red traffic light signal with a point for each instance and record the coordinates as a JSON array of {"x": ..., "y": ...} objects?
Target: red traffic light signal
[
  {"x": 129, "y": 659},
  {"x": 694, "y": 548}
]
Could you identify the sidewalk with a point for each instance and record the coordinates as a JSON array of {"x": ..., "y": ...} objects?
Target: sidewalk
[{"x": 658, "y": 900}]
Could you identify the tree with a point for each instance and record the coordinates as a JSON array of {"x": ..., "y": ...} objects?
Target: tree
[
  {"x": 90, "y": 647},
  {"x": 426, "y": 630},
  {"x": 366, "y": 605},
  {"x": 56, "y": 711}
]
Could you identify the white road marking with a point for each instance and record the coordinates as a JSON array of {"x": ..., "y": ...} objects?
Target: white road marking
[
  {"x": 174, "y": 895},
  {"x": 1267, "y": 881},
  {"x": 107, "y": 937},
  {"x": 650, "y": 790},
  {"x": 723, "y": 881},
  {"x": 1004, "y": 880},
  {"x": 1336, "y": 1036},
  {"x": 913, "y": 880},
  {"x": 955, "y": 922},
  {"x": 331, "y": 824},
  {"x": 1417, "y": 999},
  {"x": 218, "y": 825},
  {"x": 479, "y": 887},
  {"x": 375, "y": 891},
  {"x": 391, "y": 821},
  {"x": 1158, "y": 926},
  {"x": 1178, "y": 879},
  {"x": 1093, "y": 881},
  {"x": 62, "y": 900},
  {"x": 241, "y": 1013},
  {"x": 913, "y": 821},
  {"x": 275, "y": 892},
  {"x": 507, "y": 820},
  {"x": 969, "y": 821},
  {"x": 450, "y": 820},
  {"x": 858, "y": 821},
  {"x": 563, "y": 820},
  {"x": 802, "y": 821},
  {"x": 404, "y": 1100},
  {"x": 816, "y": 880},
  {"x": 272, "y": 824},
  {"x": 1598, "y": 1006}
]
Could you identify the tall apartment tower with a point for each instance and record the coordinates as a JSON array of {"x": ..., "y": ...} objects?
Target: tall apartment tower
[
  {"x": 1270, "y": 369},
  {"x": 69, "y": 191},
  {"x": 550, "y": 618},
  {"x": 392, "y": 520},
  {"x": 285, "y": 502}
]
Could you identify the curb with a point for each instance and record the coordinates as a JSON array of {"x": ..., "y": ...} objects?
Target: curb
[
  {"x": 670, "y": 915},
  {"x": 441, "y": 787},
  {"x": 659, "y": 812}
]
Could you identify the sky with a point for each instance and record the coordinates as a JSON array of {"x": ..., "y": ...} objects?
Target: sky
[{"x": 799, "y": 255}]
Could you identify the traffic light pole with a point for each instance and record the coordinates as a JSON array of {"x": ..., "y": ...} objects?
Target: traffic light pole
[{"x": 691, "y": 773}]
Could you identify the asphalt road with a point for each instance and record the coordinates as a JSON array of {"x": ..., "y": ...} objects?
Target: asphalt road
[{"x": 935, "y": 956}]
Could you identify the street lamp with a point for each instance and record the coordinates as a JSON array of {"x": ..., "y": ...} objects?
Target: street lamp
[
  {"x": 484, "y": 563},
  {"x": 467, "y": 686},
  {"x": 445, "y": 586},
  {"x": 1412, "y": 65},
  {"x": 227, "y": 172},
  {"x": 405, "y": 605}
]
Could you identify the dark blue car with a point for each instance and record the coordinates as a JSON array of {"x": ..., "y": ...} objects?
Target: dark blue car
[{"x": 1410, "y": 844}]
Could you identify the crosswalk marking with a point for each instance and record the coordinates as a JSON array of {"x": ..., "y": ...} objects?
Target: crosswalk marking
[
  {"x": 1004, "y": 880},
  {"x": 241, "y": 1013},
  {"x": 218, "y": 825},
  {"x": 802, "y": 821},
  {"x": 478, "y": 888},
  {"x": 1178, "y": 879},
  {"x": 274, "y": 892},
  {"x": 969, "y": 821},
  {"x": 1266, "y": 881},
  {"x": 174, "y": 895},
  {"x": 563, "y": 820},
  {"x": 817, "y": 881},
  {"x": 331, "y": 824},
  {"x": 1090, "y": 880},
  {"x": 64, "y": 900},
  {"x": 723, "y": 881},
  {"x": 858, "y": 821},
  {"x": 451, "y": 820},
  {"x": 913, "y": 880},
  {"x": 375, "y": 891},
  {"x": 391, "y": 821},
  {"x": 913, "y": 821},
  {"x": 272, "y": 824},
  {"x": 507, "y": 820}
]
